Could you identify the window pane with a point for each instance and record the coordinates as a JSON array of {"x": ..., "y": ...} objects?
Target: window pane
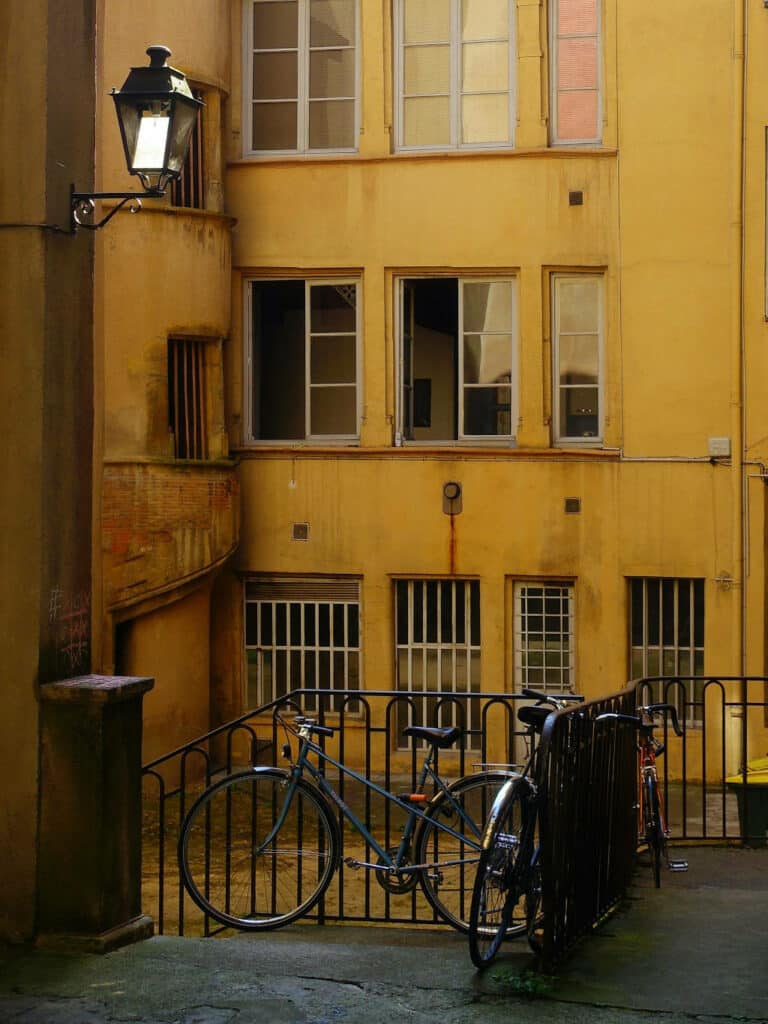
[
  {"x": 332, "y": 73},
  {"x": 332, "y": 124},
  {"x": 579, "y": 412},
  {"x": 484, "y": 19},
  {"x": 578, "y": 304},
  {"x": 427, "y": 122},
  {"x": 332, "y": 22},
  {"x": 332, "y": 361},
  {"x": 487, "y": 412},
  {"x": 295, "y": 621},
  {"x": 427, "y": 69},
  {"x": 579, "y": 359},
  {"x": 577, "y": 63},
  {"x": 577, "y": 115},
  {"x": 333, "y": 411},
  {"x": 275, "y": 25},
  {"x": 484, "y": 67},
  {"x": 332, "y": 308},
  {"x": 576, "y": 17},
  {"x": 636, "y": 610},
  {"x": 353, "y": 625},
  {"x": 426, "y": 21},
  {"x": 278, "y": 360},
  {"x": 487, "y": 358},
  {"x": 652, "y": 598},
  {"x": 485, "y": 119},
  {"x": 487, "y": 305},
  {"x": 274, "y": 76},
  {"x": 251, "y": 624},
  {"x": 274, "y": 126}
]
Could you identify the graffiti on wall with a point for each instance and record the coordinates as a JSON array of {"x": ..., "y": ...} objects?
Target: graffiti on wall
[{"x": 69, "y": 615}]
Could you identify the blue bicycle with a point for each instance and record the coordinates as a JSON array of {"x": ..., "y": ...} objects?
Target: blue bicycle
[{"x": 259, "y": 848}]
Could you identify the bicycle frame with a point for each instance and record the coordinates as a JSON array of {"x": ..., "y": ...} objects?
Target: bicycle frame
[{"x": 387, "y": 862}]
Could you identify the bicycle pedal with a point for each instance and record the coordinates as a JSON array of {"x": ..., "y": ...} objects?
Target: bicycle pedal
[
  {"x": 352, "y": 863},
  {"x": 678, "y": 865}
]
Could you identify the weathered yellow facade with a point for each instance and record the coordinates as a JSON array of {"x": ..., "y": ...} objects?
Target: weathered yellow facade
[{"x": 665, "y": 212}]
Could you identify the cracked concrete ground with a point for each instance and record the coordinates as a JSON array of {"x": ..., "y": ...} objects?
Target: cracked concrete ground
[{"x": 695, "y": 950}]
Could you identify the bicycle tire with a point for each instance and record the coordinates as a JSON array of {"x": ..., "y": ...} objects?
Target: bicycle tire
[
  {"x": 497, "y": 911},
  {"x": 227, "y": 874},
  {"x": 534, "y": 912},
  {"x": 449, "y": 889},
  {"x": 654, "y": 828}
]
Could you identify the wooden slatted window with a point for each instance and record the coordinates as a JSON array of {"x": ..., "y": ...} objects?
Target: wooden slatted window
[
  {"x": 189, "y": 190},
  {"x": 186, "y": 398}
]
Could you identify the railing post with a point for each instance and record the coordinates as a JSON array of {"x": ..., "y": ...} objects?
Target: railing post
[{"x": 90, "y": 813}]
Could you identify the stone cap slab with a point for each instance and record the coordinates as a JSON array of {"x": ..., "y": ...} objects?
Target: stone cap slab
[{"x": 95, "y": 689}]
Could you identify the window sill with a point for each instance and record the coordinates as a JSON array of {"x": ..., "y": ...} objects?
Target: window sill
[{"x": 453, "y": 452}]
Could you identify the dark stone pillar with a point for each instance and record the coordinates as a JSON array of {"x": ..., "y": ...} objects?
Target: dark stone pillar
[{"x": 89, "y": 884}]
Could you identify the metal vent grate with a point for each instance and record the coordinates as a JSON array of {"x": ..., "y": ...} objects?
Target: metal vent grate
[
  {"x": 299, "y": 531},
  {"x": 573, "y": 506}
]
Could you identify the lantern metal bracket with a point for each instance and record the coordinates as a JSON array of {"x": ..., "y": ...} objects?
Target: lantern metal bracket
[{"x": 83, "y": 204}]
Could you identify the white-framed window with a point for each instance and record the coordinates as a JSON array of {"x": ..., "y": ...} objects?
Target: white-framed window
[
  {"x": 666, "y": 630},
  {"x": 454, "y": 73},
  {"x": 437, "y": 649},
  {"x": 301, "y": 75},
  {"x": 575, "y": 72},
  {"x": 543, "y": 636},
  {"x": 302, "y": 360},
  {"x": 577, "y": 357},
  {"x": 457, "y": 359},
  {"x": 301, "y": 634}
]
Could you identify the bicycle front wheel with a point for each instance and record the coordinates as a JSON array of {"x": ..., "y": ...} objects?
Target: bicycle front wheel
[
  {"x": 654, "y": 827},
  {"x": 254, "y": 854},
  {"x": 498, "y": 910},
  {"x": 447, "y": 882}
]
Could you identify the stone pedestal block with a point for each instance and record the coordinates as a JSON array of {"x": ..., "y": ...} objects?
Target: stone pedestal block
[{"x": 90, "y": 813}]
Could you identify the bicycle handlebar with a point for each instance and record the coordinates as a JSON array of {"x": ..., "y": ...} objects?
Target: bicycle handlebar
[
  {"x": 558, "y": 699},
  {"x": 650, "y": 710}
]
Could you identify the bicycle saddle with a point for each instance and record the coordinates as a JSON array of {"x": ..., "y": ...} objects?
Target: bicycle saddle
[
  {"x": 535, "y": 715},
  {"x": 437, "y": 737}
]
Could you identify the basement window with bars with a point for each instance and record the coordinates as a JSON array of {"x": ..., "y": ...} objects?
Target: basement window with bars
[
  {"x": 437, "y": 650},
  {"x": 543, "y": 636},
  {"x": 302, "y": 634},
  {"x": 667, "y": 639},
  {"x": 187, "y": 405},
  {"x": 189, "y": 189}
]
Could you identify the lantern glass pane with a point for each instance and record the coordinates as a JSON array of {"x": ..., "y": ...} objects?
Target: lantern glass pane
[
  {"x": 184, "y": 115},
  {"x": 151, "y": 142}
]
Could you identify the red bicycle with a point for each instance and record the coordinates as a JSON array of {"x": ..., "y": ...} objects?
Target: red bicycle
[{"x": 653, "y": 830}]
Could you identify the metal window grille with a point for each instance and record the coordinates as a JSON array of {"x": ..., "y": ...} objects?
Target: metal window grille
[
  {"x": 667, "y": 639},
  {"x": 189, "y": 189},
  {"x": 437, "y": 647},
  {"x": 301, "y": 633},
  {"x": 186, "y": 398},
  {"x": 544, "y": 636}
]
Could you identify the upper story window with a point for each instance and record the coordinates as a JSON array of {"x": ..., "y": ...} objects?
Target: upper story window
[
  {"x": 575, "y": 72},
  {"x": 577, "y": 349},
  {"x": 302, "y": 360},
  {"x": 454, "y": 73},
  {"x": 301, "y": 76},
  {"x": 458, "y": 359}
]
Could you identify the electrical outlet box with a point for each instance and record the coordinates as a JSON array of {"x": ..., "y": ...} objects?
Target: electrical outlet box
[{"x": 719, "y": 447}]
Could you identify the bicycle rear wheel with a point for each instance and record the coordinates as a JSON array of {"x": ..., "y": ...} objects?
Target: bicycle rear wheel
[
  {"x": 497, "y": 910},
  {"x": 654, "y": 827},
  {"x": 448, "y": 886},
  {"x": 245, "y": 866}
]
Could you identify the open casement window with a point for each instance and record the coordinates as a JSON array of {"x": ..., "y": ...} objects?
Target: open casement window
[
  {"x": 454, "y": 73},
  {"x": 303, "y": 360},
  {"x": 543, "y": 636},
  {"x": 666, "y": 625},
  {"x": 577, "y": 349},
  {"x": 437, "y": 649},
  {"x": 301, "y": 75},
  {"x": 574, "y": 44},
  {"x": 458, "y": 359},
  {"x": 302, "y": 634}
]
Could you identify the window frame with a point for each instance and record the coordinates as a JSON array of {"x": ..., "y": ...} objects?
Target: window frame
[
  {"x": 303, "y": 100},
  {"x": 568, "y": 440},
  {"x": 492, "y": 440},
  {"x": 455, "y": 93},
  {"x": 309, "y": 282},
  {"x": 553, "y": 38},
  {"x": 519, "y": 670}
]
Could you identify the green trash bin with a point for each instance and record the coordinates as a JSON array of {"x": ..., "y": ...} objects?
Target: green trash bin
[{"x": 752, "y": 796}]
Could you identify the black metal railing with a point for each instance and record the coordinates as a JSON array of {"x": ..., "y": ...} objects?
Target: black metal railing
[{"x": 587, "y": 776}]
